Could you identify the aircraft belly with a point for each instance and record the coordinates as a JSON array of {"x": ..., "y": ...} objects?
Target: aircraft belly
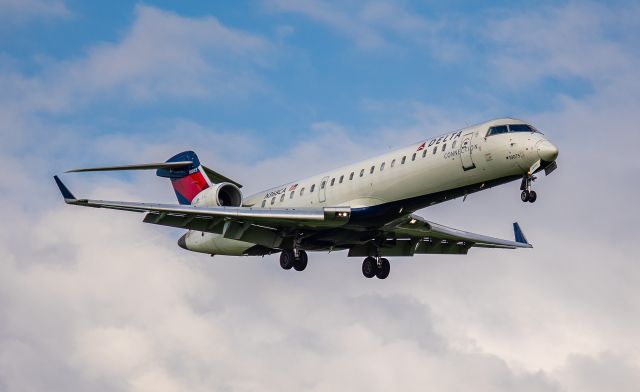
[{"x": 215, "y": 244}]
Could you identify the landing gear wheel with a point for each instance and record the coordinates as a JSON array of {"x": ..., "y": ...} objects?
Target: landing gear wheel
[
  {"x": 369, "y": 267},
  {"x": 383, "y": 269},
  {"x": 301, "y": 262},
  {"x": 286, "y": 259},
  {"x": 532, "y": 196},
  {"x": 525, "y": 195}
]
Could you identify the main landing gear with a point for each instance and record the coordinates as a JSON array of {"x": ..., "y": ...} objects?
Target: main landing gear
[
  {"x": 375, "y": 266},
  {"x": 289, "y": 260},
  {"x": 527, "y": 194}
]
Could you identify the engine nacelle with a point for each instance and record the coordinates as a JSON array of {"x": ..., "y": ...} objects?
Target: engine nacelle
[{"x": 219, "y": 195}]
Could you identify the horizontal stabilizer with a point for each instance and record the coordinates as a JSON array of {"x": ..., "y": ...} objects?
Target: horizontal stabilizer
[
  {"x": 520, "y": 238},
  {"x": 144, "y": 166},
  {"x": 216, "y": 177}
]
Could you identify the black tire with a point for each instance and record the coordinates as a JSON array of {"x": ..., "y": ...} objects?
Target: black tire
[
  {"x": 524, "y": 196},
  {"x": 383, "y": 269},
  {"x": 301, "y": 262},
  {"x": 369, "y": 267},
  {"x": 286, "y": 259},
  {"x": 533, "y": 196}
]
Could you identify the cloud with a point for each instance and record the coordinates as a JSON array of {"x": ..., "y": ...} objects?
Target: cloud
[
  {"x": 124, "y": 309},
  {"x": 162, "y": 56},
  {"x": 580, "y": 40},
  {"x": 13, "y": 11},
  {"x": 97, "y": 300},
  {"x": 371, "y": 24}
]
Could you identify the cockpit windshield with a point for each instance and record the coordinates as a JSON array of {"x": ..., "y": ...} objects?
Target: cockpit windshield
[
  {"x": 511, "y": 128},
  {"x": 497, "y": 130},
  {"x": 520, "y": 128}
]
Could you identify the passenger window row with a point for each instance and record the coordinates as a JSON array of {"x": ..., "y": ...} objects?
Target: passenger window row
[{"x": 352, "y": 174}]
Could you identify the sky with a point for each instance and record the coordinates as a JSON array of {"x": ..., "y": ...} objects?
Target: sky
[{"x": 268, "y": 91}]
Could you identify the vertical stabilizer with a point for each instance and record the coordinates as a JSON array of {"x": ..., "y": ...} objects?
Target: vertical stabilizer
[{"x": 187, "y": 181}]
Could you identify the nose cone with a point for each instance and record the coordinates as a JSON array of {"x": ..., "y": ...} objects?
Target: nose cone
[
  {"x": 547, "y": 151},
  {"x": 182, "y": 242}
]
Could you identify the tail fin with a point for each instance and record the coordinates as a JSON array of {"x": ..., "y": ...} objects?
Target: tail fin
[{"x": 187, "y": 181}]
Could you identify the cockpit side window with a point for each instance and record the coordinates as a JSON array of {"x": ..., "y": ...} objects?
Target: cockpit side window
[
  {"x": 520, "y": 128},
  {"x": 497, "y": 130}
]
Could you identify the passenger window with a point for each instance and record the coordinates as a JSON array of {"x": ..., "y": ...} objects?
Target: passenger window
[
  {"x": 322, "y": 184},
  {"x": 361, "y": 172},
  {"x": 313, "y": 186},
  {"x": 382, "y": 166},
  {"x": 273, "y": 200},
  {"x": 351, "y": 176},
  {"x": 454, "y": 144},
  {"x": 424, "y": 153},
  {"x": 282, "y": 198},
  {"x": 497, "y": 130},
  {"x": 393, "y": 163},
  {"x": 444, "y": 146},
  {"x": 264, "y": 202},
  {"x": 435, "y": 149},
  {"x": 333, "y": 181},
  {"x": 341, "y": 178},
  {"x": 301, "y": 191},
  {"x": 291, "y": 195},
  {"x": 413, "y": 158},
  {"x": 403, "y": 159},
  {"x": 372, "y": 169}
]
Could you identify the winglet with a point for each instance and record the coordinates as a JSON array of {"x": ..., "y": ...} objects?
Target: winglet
[
  {"x": 66, "y": 193},
  {"x": 520, "y": 238}
]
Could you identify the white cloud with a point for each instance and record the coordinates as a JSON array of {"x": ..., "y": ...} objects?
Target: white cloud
[
  {"x": 578, "y": 39},
  {"x": 12, "y": 11},
  {"x": 96, "y": 300},
  {"x": 162, "y": 56},
  {"x": 370, "y": 24}
]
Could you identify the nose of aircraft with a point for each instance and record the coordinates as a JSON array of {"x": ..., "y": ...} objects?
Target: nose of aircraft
[
  {"x": 182, "y": 242},
  {"x": 547, "y": 151}
]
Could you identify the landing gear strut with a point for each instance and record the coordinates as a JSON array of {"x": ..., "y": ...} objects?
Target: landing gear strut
[
  {"x": 289, "y": 260},
  {"x": 376, "y": 266},
  {"x": 527, "y": 194}
]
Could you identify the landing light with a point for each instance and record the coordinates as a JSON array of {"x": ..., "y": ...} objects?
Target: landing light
[
  {"x": 342, "y": 214},
  {"x": 413, "y": 221}
]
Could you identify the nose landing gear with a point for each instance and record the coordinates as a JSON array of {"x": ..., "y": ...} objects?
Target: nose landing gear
[
  {"x": 376, "y": 266},
  {"x": 527, "y": 194}
]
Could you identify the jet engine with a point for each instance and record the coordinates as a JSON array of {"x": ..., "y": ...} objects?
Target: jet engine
[{"x": 223, "y": 194}]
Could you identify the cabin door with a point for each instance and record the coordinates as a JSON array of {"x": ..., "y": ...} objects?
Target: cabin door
[
  {"x": 466, "y": 151},
  {"x": 322, "y": 195}
]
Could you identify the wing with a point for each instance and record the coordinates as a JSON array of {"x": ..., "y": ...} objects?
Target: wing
[
  {"x": 413, "y": 234},
  {"x": 262, "y": 226}
]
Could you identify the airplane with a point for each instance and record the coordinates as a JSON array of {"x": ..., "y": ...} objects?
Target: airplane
[{"x": 366, "y": 208}]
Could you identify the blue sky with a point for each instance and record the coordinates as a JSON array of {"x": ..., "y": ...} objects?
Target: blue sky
[
  {"x": 268, "y": 91},
  {"x": 310, "y": 68}
]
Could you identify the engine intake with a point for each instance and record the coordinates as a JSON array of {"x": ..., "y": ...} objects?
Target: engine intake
[{"x": 220, "y": 195}]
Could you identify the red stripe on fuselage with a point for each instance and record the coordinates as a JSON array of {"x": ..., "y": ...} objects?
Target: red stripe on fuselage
[{"x": 190, "y": 186}]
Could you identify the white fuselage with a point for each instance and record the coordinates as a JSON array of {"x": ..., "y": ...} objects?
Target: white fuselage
[
  {"x": 452, "y": 161},
  {"x": 411, "y": 171}
]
